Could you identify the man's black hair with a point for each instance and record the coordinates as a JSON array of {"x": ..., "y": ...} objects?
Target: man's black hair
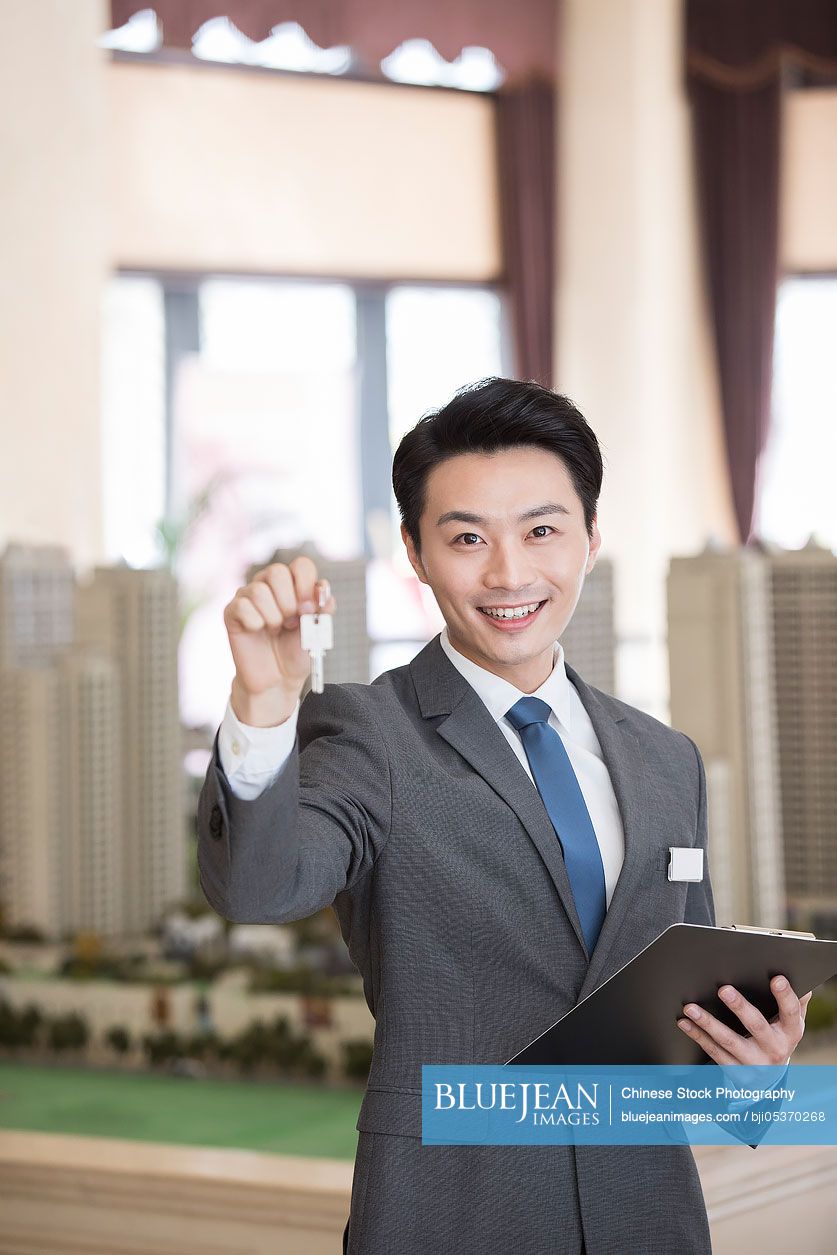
[{"x": 488, "y": 416}]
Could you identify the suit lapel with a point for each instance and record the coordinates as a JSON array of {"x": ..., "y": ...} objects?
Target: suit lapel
[
  {"x": 623, "y": 759},
  {"x": 473, "y": 733}
]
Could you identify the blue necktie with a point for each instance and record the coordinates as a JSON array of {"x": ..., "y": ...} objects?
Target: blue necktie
[{"x": 567, "y": 810}]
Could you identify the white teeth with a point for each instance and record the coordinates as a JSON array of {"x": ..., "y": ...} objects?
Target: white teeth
[{"x": 519, "y": 612}]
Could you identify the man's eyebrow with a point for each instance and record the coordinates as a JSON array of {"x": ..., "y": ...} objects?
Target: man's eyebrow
[{"x": 462, "y": 516}]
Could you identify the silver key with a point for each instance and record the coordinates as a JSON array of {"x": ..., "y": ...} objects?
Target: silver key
[{"x": 316, "y": 634}]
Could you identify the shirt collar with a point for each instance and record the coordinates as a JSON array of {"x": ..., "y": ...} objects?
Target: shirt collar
[{"x": 500, "y": 695}]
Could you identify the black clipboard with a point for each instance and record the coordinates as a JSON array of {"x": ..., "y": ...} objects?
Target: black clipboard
[{"x": 630, "y": 1018}]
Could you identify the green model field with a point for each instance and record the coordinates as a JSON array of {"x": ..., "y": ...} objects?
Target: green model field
[{"x": 284, "y": 1118}]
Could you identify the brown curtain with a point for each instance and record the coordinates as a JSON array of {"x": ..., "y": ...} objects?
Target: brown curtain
[
  {"x": 739, "y": 56},
  {"x": 526, "y": 164}
]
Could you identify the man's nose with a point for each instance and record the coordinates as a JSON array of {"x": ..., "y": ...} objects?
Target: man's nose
[{"x": 510, "y": 567}]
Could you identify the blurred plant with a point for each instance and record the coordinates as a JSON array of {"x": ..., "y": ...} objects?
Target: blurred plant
[
  {"x": 171, "y": 533},
  {"x": 160, "y": 1047},
  {"x": 193, "y": 908},
  {"x": 274, "y": 1045},
  {"x": 204, "y": 970},
  {"x": 23, "y": 932},
  {"x": 9, "y": 1030},
  {"x": 67, "y": 1032},
  {"x": 315, "y": 1065},
  {"x": 87, "y": 947},
  {"x": 250, "y": 1046},
  {"x": 270, "y": 1046},
  {"x": 103, "y": 967},
  {"x": 199, "y": 1045},
  {"x": 357, "y": 1058},
  {"x": 32, "y": 1019},
  {"x": 320, "y": 927},
  {"x": 821, "y": 1013},
  {"x": 19, "y": 1028},
  {"x": 129, "y": 969},
  {"x": 119, "y": 1039},
  {"x": 301, "y": 980}
]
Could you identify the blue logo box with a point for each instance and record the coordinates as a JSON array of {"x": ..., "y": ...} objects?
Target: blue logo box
[{"x": 588, "y": 1105}]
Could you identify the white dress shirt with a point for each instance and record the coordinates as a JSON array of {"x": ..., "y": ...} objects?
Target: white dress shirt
[{"x": 253, "y": 757}]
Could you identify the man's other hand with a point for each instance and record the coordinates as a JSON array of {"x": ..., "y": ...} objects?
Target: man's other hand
[{"x": 768, "y": 1042}]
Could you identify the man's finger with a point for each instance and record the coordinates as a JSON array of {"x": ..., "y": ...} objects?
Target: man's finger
[
  {"x": 738, "y": 1048},
  {"x": 789, "y": 1004},
  {"x": 305, "y": 577},
  {"x": 264, "y": 600},
  {"x": 277, "y": 579},
  {"x": 750, "y": 1016},
  {"x": 243, "y": 611},
  {"x": 706, "y": 1042}
]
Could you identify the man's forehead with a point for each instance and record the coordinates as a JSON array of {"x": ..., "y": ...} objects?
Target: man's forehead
[
  {"x": 480, "y": 484},
  {"x": 498, "y": 468}
]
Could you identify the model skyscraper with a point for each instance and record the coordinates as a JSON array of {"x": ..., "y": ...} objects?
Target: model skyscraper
[
  {"x": 804, "y": 588},
  {"x": 589, "y": 639},
  {"x": 36, "y": 604},
  {"x": 132, "y": 617},
  {"x": 722, "y": 669},
  {"x": 91, "y": 821}
]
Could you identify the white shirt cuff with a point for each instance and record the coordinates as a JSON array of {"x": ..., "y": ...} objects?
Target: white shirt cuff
[
  {"x": 767, "y": 1077},
  {"x": 253, "y": 757}
]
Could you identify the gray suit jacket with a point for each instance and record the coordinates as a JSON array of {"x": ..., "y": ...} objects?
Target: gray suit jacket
[{"x": 403, "y": 805}]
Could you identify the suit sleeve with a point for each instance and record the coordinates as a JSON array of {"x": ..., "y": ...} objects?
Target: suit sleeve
[
  {"x": 316, "y": 830},
  {"x": 700, "y": 903}
]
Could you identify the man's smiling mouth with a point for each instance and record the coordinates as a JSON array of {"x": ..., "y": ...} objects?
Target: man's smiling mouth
[{"x": 504, "y": 613}]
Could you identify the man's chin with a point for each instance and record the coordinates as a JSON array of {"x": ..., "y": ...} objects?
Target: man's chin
[{"x": 517, "y": 644}]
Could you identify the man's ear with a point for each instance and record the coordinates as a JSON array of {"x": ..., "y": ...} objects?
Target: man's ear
[
  {"x": 415, "y": 560},
  {"x": 595, "y": 545}
]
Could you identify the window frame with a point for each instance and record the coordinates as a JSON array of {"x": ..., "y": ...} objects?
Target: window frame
[{"x": 182, "y": 335}]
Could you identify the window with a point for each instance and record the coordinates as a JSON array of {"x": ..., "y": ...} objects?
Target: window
[
  {"x": 237, "y": 422},
  {"x": 796, "y": 498},
  {"x": 134, "y": 418}
]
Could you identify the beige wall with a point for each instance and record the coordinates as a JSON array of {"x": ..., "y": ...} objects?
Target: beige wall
[
  {"x": 52, "y": 264},
  {"x": 116, "y": 164},
  {"x": 809, "y": 186},
  {"x": 217, "y": 169},
  {"x": 633, "y": 345}
]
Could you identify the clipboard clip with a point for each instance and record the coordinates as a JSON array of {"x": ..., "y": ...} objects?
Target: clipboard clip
[{"x": 773, "y": 932}]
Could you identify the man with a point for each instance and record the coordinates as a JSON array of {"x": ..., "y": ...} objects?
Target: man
[{"x": 492, "y": 831}]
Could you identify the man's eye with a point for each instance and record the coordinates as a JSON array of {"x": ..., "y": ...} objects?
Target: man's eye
[
  {"x": 463, "y": 534},
  {"x": 543, "y": 527}
]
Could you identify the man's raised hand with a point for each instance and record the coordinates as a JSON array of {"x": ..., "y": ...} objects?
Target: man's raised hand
[{"x": 262, "y": 622}]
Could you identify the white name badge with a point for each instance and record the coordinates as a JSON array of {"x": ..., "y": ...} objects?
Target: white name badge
[{"x": 685, "y": 863}]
